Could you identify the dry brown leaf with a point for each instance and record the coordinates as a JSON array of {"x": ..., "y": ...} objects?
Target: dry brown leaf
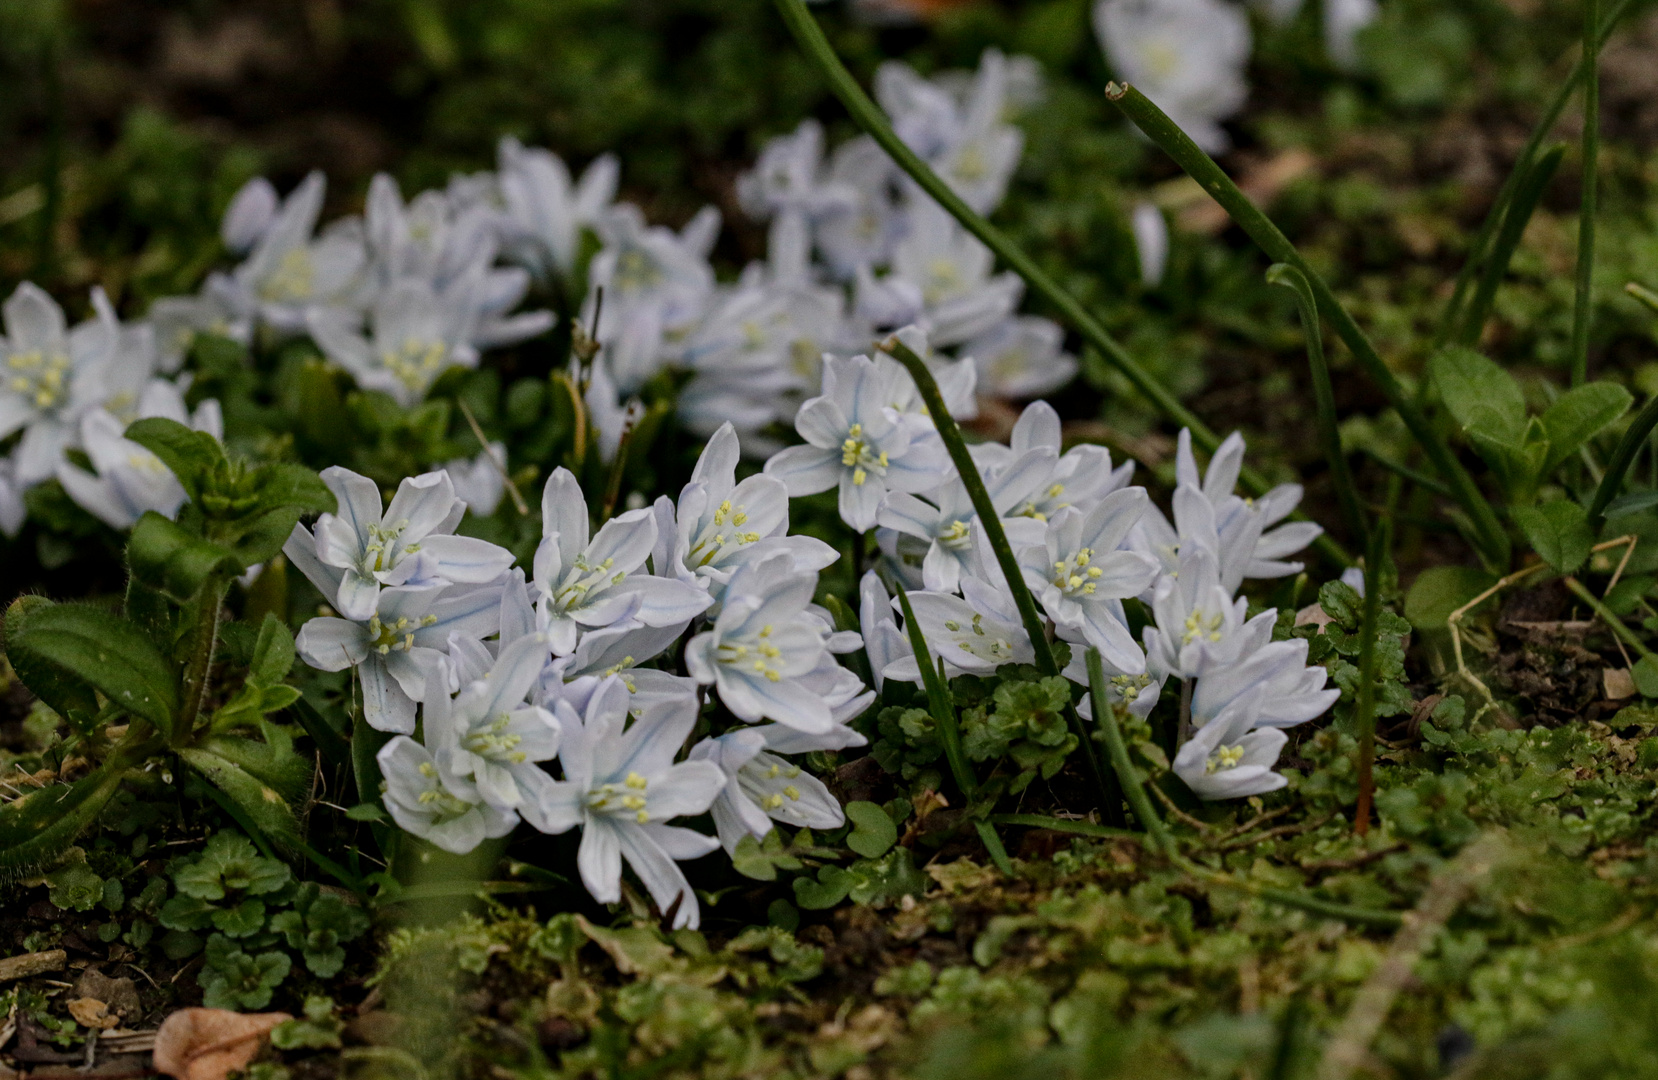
[
  {"x": 92, "y": 1013},
  {"x": 209, "y": 1044},
  {"x": 1618, "y": 683}
]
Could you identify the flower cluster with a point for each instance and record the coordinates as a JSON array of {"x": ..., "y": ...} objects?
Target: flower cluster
[
  {"x": 502, "y": 676},
  {"x": 1085, "y": 542}
]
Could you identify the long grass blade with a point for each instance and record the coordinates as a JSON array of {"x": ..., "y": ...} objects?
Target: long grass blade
[
  {"x": 1490, "y": 538},
  {"x": 1526, "y": 196},
  {"x": 1583, "y": 306},
  {"x": 1622, "y": 458},
  {"x": 1347, "y": 492}
]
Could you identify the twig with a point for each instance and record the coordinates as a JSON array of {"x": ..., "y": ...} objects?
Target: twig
[
  {"x": 1356, "y": 861},
  {"x": 489, "y": 452},
  {"x": 1272, "y": 834},
  {"x": 1347, "y": 1048},
  {"x": 1163, "y": 797},
  {"x": 1255, "y": 822}
]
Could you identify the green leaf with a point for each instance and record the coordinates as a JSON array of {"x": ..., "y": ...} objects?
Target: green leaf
[
  {"x": 234, "y": 980},
  {"x": 68, "y": 694},
  {"x": 336, "y": 751},
  {"x": 186, "y": 912},
  {"x": 873, "y": 832},
  {"x": 167, "y": 557},
  {"x": 273, "y": 653},
  {"x": 829, "y": 889},
  {"x": 38, "y": 828},
  {"x": 179, "y": 944},
  {"x": 1579, "y": 415},
  {"x": 194, "y": 456},
  {"x": 1440, "y": 590},
  {"x": 1645, "y": 672},
  {"x": 1481, "y": 395},
  {"x": 882, "y": 881},
  {"x": 272, "y": 761},
  {"x": 1559, "y": 532},
  {"x": 75, "y": 887},
  {"x": 261, "y": 802},
  {"x": 244, "y": 919},
  {"x": 366, "y": 812},
  {"x": 103, "y": 650}
]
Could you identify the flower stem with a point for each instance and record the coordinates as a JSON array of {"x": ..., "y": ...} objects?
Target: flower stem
[
  {"x": 869, "y": 117},
  {"x": 1365, "y": 707},
  {"x": 1583, "y": 308},
  {"x": 949, "y": 730},
  {"x": 1347, "y": 492},
  {"x": 991, "y": 522},
  {"x": 1492, "y": 542},
  {"x": 209, "y": 609}
]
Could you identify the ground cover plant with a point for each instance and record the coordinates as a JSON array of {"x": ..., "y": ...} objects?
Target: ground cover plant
[{"x": 1065, "y": 547}]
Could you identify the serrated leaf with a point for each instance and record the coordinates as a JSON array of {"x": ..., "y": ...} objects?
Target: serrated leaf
[
  {"x": 244, "y": 919},
  {"x": 193, "y": 456},
  {"x": 1579, "y": 415},
  {"x": 102, "y": 650},
  {"x": 1559, "y": 532},
  {"x": 168, "y": 558},
  {"x": 186, "y": 913},
  {"x": 873, "y": 833}
]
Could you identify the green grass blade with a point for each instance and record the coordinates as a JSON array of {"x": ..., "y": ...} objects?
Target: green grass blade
[
  {"x": 1526, "y": 196},
  {"x": 1127, "y": 776},
  {"x": 1622, "y": 457},
  {"x": 1347, "y": 492},
  {"x": 1583, "y": 305},
  {"x": 1493, "y": 542}
]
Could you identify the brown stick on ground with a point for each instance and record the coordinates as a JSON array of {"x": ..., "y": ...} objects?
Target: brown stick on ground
[
  {"x": 35, "y": 963},
  {"x": 1351, "y": 1042}
]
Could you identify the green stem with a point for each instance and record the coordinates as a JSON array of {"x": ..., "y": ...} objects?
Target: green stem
[
  {"x": 1583, "y": 308},
  {"x": 1066, "y": 825},
  {"x": 1492, "y": 541},
  {"x": 1128, "y": 778},
  {"x": 1347, "y": 492},
  {"x": 869, "y": 117},
  {"x": 206, "y": 640},
  {"x": 1622, "y": 458},
  {"x": 990, "y": 520},
  {"x": 1365, "y": 707},
  {"x": 1606, "y": 614},
  {"x": 1421, "y": 479},
  {"x": 949, "y": 731},
  {"x": 1522, "y": 165},
  {"x": 1526, "y": 196}
]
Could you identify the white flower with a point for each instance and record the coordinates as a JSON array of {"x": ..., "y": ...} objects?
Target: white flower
[
  {"x": 480, "y": 482},
  {"x": 13, "y": 510},
  {"x": 1081, "y": 577},
  {"x": 1151, "y": 241},
  {"x": 584, "y": 584},
  {"x": 1197, "y": 619},
  {"x": 545, "y": 212},
  {"x": 763, "y": 646},
  {"x": 490, "y": 739},
  {"x": 884, "y": 642},
  {"x": 49, "y": 377},
  {"x": 1207, "y": 512},
  {"x": 429, "y": 240},
  {"x": 958, "y": 380},
  {"x": 611, "y": 416},
  {"x": 408, "y": 544},
  {"x": 179, "y": 320},
  {"x": 945, "y": 523},
  {"x": 721, "y": 524},
  {"x": 249, "y": 216},
  {"x": 853, "y": 440},
  {"x": 761, "y": 786},
  {"x": 398, "y": 647},
  {"x": 1286, "y": 690},
  {"x": 657, "y": 285},
  {"x": 941, "y": 278},
  {"x": 289, "y": 272},
  {"x": 1228, "y": 760},
  {"x": 621, "y": 785},
  {"x": 414, "y": 335},
  {"x": 129, "y": 479},
  {"x": 863, "y": 234},
  {"x": 1187, "y": 56},
  {"x": 963, "y": 136},
  {"x": 1021, "y": 357},
  {"x": 422, "y": 802},
  {"x": 1081, "y": 476},
  {"x": 787, "y": 183},
  {"x": 976, "y": 632}
]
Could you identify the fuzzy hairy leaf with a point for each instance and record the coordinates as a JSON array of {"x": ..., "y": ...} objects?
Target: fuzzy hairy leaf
[
  {"x": 38, "y": 828},
  {"x": 194, "y": 456},
  {"x": 67, "y": 694},
  {"x": 261, "y": 802},
  {"x": 102, "y": 650},
  {"x": 167, "y": 557},
  {"x": 1559, "y": 532}
]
